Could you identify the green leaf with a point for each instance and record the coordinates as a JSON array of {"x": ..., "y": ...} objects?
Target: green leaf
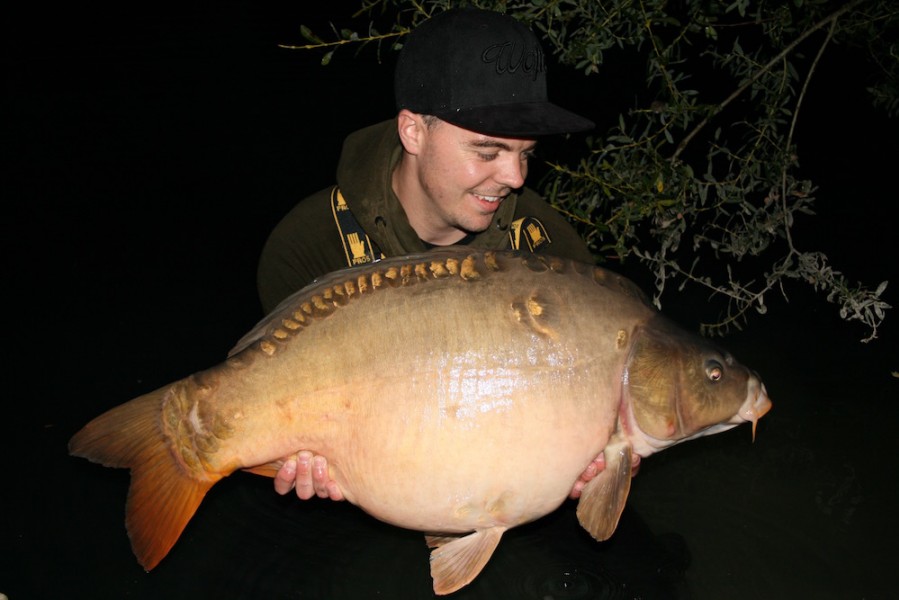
[{"x": 309, "y": 36}]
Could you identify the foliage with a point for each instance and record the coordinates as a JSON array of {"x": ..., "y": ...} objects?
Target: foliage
[{"x": 703, "y": 190}]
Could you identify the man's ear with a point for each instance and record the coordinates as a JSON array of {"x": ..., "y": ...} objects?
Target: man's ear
[{"x": 412, "y": 130}]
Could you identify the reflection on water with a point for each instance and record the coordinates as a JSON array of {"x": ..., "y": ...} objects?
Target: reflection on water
[{"x": 558, "y": 582}]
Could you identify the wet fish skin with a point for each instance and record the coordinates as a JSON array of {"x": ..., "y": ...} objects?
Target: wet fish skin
[{"x": 491, "y": 361}]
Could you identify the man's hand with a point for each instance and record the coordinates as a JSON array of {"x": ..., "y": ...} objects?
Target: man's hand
[
  {"x": 308, "y": 474},
  {"x": 594, "y": 469}
]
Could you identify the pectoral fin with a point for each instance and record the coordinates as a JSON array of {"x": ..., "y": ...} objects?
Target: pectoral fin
[
  {"x": 456, "y": 563},
  {"x": 604, "y": 496}
]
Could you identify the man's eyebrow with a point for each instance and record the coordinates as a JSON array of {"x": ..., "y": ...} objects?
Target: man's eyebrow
[{"x": 496, "y": 144}]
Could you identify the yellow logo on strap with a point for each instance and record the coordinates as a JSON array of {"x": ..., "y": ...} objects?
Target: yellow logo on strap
[{"x": 535, "y": 234}]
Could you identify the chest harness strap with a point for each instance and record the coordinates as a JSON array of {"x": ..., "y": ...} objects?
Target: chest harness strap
[{"x": 357, "y": 246}]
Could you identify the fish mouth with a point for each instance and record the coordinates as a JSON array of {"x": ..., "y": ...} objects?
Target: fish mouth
[{"x": 756, "y": 406}]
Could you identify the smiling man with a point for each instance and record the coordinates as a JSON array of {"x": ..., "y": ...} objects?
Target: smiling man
[{"x": 450, "y": 168}]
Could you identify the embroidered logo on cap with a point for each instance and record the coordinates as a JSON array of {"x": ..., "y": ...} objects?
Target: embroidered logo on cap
[{"x": 505, "y": 59}]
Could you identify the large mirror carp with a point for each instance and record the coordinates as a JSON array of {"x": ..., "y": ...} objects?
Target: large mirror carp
[{"x": 481, "y": 361}]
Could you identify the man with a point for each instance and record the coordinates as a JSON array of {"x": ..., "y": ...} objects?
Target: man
[{"x": 470, "y": 90}]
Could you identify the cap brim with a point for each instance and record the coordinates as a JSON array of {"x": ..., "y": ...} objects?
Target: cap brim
[{"x": 523, "y": 120}]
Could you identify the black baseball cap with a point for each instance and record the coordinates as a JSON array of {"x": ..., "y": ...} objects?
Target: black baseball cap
[{"x": 481, "y": 70}]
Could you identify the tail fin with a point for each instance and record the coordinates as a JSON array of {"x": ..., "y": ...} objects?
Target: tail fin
[{"x": 163, "y": 495}]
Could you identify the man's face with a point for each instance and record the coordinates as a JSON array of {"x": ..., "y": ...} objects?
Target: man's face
[{"x": 466, "y": 175}]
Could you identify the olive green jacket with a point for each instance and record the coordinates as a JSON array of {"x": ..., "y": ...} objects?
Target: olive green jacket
[{"x": 307, "y": 243}]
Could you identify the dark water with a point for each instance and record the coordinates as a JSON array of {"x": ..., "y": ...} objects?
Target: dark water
[{"x": 150, "y": 151}]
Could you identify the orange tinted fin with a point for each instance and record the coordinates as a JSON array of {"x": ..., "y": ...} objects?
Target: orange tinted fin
[
  {"x": 455, "y": 564},
  {"x": 266, "y": 470},
  {"x": 163, "y": 495},
  {"x": 604, "y": 496}
]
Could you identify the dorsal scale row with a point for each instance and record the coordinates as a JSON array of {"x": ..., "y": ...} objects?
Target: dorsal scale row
[
  {"x": 328, "y": 297},
  {"x": 337, "y": 289}
]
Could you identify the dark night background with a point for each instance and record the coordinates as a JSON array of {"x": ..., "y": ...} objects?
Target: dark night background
[{"x": 147, "y": 153}]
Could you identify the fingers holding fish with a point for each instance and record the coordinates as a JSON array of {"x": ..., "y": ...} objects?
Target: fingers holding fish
[
  {"x": 595, "y": 468},
  {"x": 592, "y": 470},
  {"x": 635, "y": 463},
  {"x": 322, "y": 484},
  {"x": 308, "y": 475},
  {"x": 286, "y": 477}
]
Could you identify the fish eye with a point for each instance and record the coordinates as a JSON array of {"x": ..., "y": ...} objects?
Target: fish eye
[{"x": 714, "y": 371}]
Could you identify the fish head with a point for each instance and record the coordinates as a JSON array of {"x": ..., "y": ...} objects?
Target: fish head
[
  {"x": 676, "y": 386},
  {"x": 679, "y": 386}
]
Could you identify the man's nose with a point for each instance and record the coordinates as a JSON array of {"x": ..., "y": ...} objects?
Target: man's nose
[{"x": 512, "y": 171}]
